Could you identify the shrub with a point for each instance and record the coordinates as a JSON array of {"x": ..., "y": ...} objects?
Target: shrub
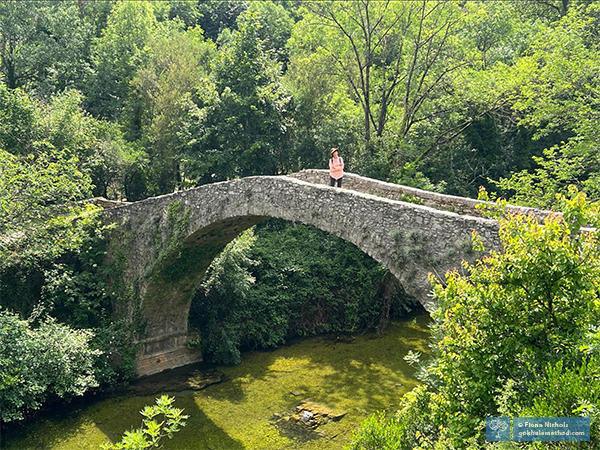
[{"x": 39, "y": 364}]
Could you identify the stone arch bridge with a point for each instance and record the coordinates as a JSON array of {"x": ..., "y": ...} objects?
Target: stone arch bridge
[{"x": 161, "y": 247}]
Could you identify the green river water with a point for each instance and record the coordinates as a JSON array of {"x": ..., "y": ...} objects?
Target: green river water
[{"x": 355, "y": 375}]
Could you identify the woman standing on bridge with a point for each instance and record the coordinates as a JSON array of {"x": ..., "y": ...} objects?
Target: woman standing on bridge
[{"x": 336, "y": 168}]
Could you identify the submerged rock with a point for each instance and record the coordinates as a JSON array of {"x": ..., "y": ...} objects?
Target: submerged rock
[
  {"x": 306, "y": 416},
  {"x": 320, "y": 414},
  {"x": 303, "y": 423}
]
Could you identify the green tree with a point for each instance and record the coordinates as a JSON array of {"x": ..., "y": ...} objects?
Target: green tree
[
  {"x": 490, "y": 28},
  {"x": 43, "y": 45},
  {"x": 224, "y": 293},
  {"x": 516, "y": 321},
  {"x": 35, "y": 192},
  {"x": 548, "y": 10},
  {"x": 564, "y": 390},
  {"x": 325, "y": 115},
  {"x": 246, "y": 128},
  {"x": 18, "y": 120},
  {"x": 399, "y": 69},
  {"x": 116, "y": 56},
  {"x": 52, "y": 171},
  {"x": 51, "y": 361},
  {"x": 161, "y": 100},
  {"x": 117, "y": 166},
  {"x": 391, "y": 54},
  {"x": 529, "y": 305},
  {"x": 215, "y": 16},
  {"x": 276, "y": 26},
  {"x": 60, "y": 126},
  {"x": 40, "y": 222},
  {"x": 188, "y": 12},
  {"x": 557, "y": 95},
  {"x": 495, "y": 133}
]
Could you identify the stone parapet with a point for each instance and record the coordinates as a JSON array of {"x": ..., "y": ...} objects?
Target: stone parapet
[
  {"x": 164, "y": 245},
  {"x": 453, "y": 203}
]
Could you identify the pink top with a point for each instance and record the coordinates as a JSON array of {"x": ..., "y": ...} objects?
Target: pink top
[{"x": 336, "y": 168}]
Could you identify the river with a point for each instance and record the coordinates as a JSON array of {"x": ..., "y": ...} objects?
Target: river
[{"x": 253, "y": 406}]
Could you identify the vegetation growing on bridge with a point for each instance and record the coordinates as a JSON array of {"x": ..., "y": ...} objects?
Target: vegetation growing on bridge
[{"x": 134, "y": 99}]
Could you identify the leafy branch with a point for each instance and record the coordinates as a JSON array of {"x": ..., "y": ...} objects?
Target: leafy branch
[{"x": 152, "y": 432}]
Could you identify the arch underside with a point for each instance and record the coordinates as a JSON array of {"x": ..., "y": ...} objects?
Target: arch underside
[
  {"x": 220, "y": 212},
  {"x": 178, "y": 278}
]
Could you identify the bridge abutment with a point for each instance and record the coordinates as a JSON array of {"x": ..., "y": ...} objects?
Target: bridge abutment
[
  {"x": 165, "y": 244},
  {"x": 164, "y": 352}
]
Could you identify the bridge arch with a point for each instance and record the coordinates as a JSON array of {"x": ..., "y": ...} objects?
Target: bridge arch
[{"x": 165, "y": 244}]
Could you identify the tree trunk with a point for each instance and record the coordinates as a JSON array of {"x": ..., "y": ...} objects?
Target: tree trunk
[
  {"x": 390, "y": 289},
  {"x": 11, "y": 80}
]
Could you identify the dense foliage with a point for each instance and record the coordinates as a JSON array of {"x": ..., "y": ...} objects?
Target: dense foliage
[
  {"x": 128, "y": 100},
  {"x": 36, "y": 364},
  {"x": 517, "y": 336},
  {"x": 422, "y": 92},
  {"x": 284, "y": 281}
]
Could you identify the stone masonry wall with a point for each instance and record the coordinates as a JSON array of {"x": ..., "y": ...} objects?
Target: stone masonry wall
[
  {"x": 453, "y": 203},
  {"x": 165, "y": 244}
]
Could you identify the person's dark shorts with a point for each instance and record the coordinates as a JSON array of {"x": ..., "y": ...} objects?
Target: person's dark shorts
[{"x": 333, "y": 181}]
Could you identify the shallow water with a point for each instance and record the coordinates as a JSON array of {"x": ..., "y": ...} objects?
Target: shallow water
[{"x": 354, "y": 375}]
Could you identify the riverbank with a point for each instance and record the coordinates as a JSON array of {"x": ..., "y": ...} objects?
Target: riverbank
[{"x": 253, "y": 404}]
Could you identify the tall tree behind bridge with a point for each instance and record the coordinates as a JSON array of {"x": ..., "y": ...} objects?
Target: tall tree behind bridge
[
  {"x": 44, "y": 45},
  {"x": 244, "y": 129},
  {"x": 392, "y": 55},
  {"x": 116, "y": 56}
]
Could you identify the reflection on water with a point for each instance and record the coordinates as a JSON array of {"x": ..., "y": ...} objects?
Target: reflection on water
[{"x": 355, "y": 375}]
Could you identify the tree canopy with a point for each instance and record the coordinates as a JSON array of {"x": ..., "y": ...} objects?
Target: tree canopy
[{"x": 128, "y": 100}]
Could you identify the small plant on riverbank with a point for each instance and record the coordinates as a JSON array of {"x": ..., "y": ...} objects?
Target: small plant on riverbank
[{"x": 152, "y": 432}]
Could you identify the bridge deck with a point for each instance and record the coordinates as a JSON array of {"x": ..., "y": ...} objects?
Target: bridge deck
[
  {"x": 452, "y": 203},
  {"x": 164, "y": 245}
]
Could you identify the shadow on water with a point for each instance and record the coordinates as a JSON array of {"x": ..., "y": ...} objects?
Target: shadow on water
[
  {"x": 356, "y": 375},
  {"x": 346, "y": 364},
  {"x": 200, "y": 433},
  {"x": 86, "y": 428}
]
